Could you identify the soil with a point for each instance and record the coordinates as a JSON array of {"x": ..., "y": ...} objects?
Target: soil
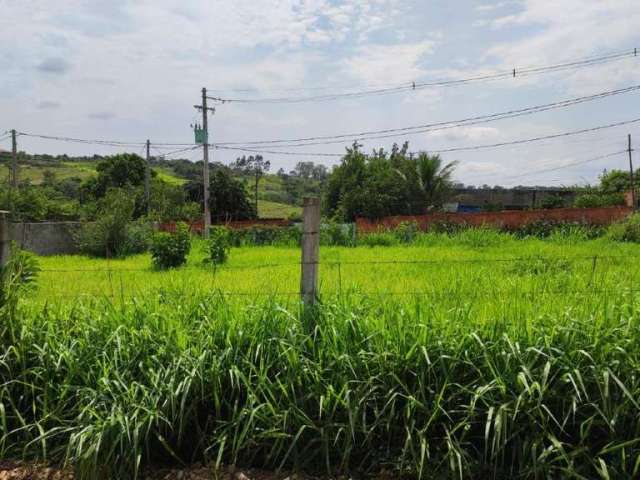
[{"x": 10, "y": 470}]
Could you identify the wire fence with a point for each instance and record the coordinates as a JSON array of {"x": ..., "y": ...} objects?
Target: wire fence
[{"x": 532, "y": 276}]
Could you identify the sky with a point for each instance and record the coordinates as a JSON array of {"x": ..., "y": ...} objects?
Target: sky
[{"x": 130, "y": 70}]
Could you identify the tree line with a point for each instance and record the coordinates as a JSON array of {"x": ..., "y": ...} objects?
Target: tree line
[{"x": 373, "y": 185}]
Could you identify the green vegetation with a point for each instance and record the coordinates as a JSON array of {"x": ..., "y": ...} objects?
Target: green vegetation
[
  {"x": 468, "y": 355},
  {"x": 219, "y": 245},
  {"x": 64, "y": 188},
  {"x": 383, "y": 184},
  {"x": 170, "y": 250}
]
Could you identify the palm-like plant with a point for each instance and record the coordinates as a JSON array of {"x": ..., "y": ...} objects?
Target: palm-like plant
[{"x": 432, "y": 176}]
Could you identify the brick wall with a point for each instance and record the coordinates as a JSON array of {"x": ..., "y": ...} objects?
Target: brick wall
[{"x": 508, "y": 219}]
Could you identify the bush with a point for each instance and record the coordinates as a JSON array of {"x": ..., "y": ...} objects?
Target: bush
[
  {"x": 572, "y": 233},
  {"x": 444, "y": 226},
  {"x": 481, "y": 237},
  {"x": 260, "y": 236},
  {"x": 219, "y": 245},
  {"x": 626, "y": 231},
  {"x": 137, "y": 237},
  {"x": 595, "y": 200},
  {"x": 107, "y": 236},
  {"x": 378, "y": 240},
  {"x": 170, "y": 250},
  {"x": 407, "y": 232},
  {"x": 19, "y": 273},
  {"x": 337, "y": 234}
]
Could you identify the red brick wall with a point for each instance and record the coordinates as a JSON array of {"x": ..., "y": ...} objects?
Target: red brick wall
[
  {"x": 198, "y": 227},
  {"x": 508, "y": 219}
]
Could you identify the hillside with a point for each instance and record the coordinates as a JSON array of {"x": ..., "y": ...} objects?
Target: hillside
[{"x": 273, "y": 200}]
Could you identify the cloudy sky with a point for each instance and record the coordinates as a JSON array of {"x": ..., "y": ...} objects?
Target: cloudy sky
[{"x": 131, "y": 70}]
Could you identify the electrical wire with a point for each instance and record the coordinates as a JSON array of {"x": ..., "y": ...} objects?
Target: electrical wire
[
  {"x": 360, "y": 136},
  {"x": 455, "y": 149},
  {"x": 560, "y": 167},
  {"x": 413, "y": 86},
  {"x": 113, "y": 143},
  {"x": 429, "y": 127}
]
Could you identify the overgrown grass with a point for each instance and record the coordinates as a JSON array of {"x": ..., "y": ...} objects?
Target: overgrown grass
[
  {"x": 376, "y": 384},
  {"x": 453, "y": 358}
]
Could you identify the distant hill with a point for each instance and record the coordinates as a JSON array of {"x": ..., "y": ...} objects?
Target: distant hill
[{"x": 274, "y": 198}]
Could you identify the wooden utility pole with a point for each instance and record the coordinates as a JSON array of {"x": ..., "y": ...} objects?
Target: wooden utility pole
[
  {"x": 4, "y": 238},
  {"x": 14, "y": 160},
  {"x": 147, "y": 179},
  {"x": 631, "y": 176},
  {"x": 310, "y": 250},
  {"x": 205, "y": 167}
]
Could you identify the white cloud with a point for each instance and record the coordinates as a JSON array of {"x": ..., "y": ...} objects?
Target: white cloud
[{"x": 389, "y": 63}]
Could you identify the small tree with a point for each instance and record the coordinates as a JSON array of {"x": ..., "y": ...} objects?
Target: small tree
[
  {"x": 107, "y": 236},
  {"x": 256, "y": 167},
  {"x": 219, "y": 245},
  {"x": 170, "y": 250}
]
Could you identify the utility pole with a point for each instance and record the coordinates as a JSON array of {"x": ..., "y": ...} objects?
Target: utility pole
[
  {"x": 631, "y": 177},
  {"x": 14, "y": 160},
  {"x": 147, "y": 179},
  {"x": 205, "y": 167},
  {"x": 310, "y": 251}
]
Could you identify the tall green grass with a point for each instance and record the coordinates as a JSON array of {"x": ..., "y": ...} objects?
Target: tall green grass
[{"x": 405, "y": 386}]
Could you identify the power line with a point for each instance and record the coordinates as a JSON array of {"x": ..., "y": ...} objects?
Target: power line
[
  {"x": 113, "y": 143},
  {"x": 359, "y": 136},
  {"x": 561, "y": 167},
  {"x": 429, "y": 127},
  {"x": 456, "y": 149},
  {"x": 413, "y": 86}
]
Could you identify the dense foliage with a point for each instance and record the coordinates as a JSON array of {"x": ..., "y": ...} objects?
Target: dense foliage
[
  {"x": 219, "y": 245},
  {"x": 377, "y": 386},
  {"x": 170, "y": 250},
  {"x": 228, "y": 198},
  {"x": 114, "y": 233},
  {"x": 383, "y": 184}
]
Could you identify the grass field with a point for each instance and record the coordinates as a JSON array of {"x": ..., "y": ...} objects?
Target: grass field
[
  {"x": 473, "y": 356},
  {"x": 445, "y": 269}
]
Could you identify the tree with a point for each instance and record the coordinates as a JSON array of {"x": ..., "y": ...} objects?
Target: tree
[
  {"x": 617, "y": 181},
  {"x": 386, "y": 183},
  {"x": 432, "y": 175},
  {"x": 117, "y": 171},
  {"x": 228, "y": 198}
]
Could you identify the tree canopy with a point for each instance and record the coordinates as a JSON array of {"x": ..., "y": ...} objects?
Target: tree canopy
[{"x": 387, "y": 183}]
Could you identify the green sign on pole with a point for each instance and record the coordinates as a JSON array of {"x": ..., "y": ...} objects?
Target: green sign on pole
[{"x": 200, "y": 135}]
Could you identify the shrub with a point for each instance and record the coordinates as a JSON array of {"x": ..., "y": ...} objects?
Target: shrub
[
  {"x": 288, "y": 236},
  {"x": 594, "y": 200},
  {"x": 480, "y": 237},
  {"x": 219, "y": 245},
  {"x": 406, "y": 232},
  {"x": 107, "y": 236},
  {"x": 572, "y": 233},
  {"x": 626, "y": 231},
  {"x": 170, "y": 250},
  {"x": 444, "y": 226},
  {"x": 537, "y": 229},
  {"x": 137, "y": 237},
  {"x": 381, "y": 239},
  {"x": 19, "y": 273},
  {"x": 337, "y": 234},
  {"x": 552, "y": 201}
]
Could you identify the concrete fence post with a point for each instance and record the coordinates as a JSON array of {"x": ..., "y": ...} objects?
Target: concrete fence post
[
  {"x": 4, "y": 238},
  {"x": 310, "y": 250}
]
